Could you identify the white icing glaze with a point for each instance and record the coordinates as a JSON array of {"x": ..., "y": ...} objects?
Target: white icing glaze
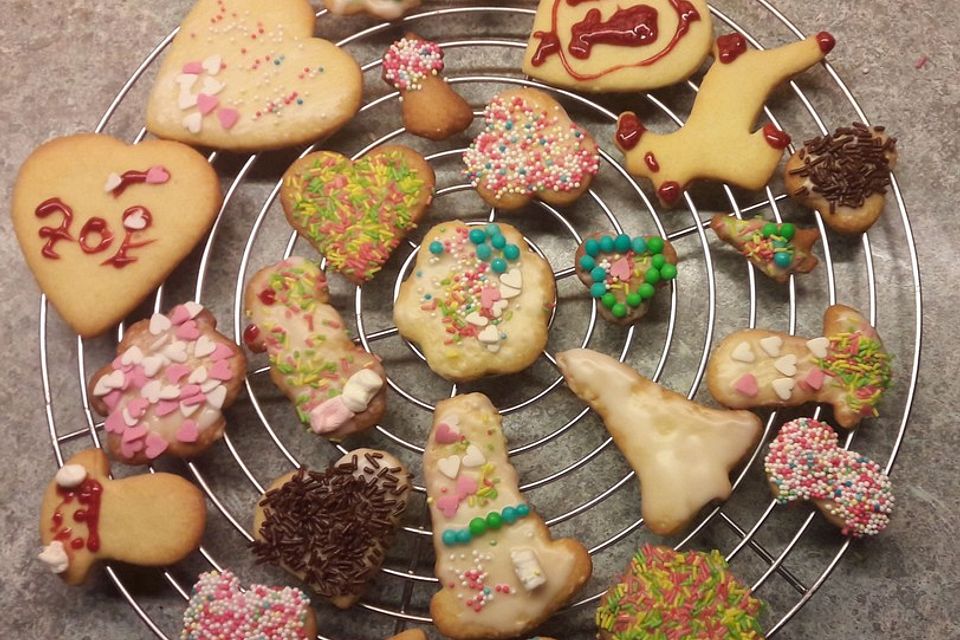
[
  {"x": 71, "y": 475},
  {"x": 55, "y": 557}
]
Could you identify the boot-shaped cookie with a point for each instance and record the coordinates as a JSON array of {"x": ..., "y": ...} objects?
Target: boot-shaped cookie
[{"x": 777, "y": 250}]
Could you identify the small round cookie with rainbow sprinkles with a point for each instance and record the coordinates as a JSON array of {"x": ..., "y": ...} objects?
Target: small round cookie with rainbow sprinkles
[
  {"x": 530, "y": 148},
  {"x": 807, "y": 463},
  {"x": 219, "y": 609},
  {"x": 431, "y": 109},
  {"x": 686, "y": 596}
]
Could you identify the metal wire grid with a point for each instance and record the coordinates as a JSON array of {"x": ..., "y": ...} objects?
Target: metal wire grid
[{"x": 746, "y": 535}]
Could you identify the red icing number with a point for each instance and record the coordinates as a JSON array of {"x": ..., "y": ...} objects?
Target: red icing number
[
  {"x": 88, "y": 496},
  {"x": 54, "y": 234}
]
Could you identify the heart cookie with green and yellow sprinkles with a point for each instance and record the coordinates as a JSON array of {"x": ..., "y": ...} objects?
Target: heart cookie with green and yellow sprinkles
[{"x": 356, "y": 212}]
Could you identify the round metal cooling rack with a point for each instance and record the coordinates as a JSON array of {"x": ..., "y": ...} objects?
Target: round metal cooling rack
[{"x": 740, "y": 528}]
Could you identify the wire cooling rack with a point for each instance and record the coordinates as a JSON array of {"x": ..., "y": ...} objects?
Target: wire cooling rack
[{"x": 574, "y": 476}]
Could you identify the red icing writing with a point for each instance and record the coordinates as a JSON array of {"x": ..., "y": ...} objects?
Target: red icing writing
[
  {"x": 651, "y": 161},
  {"x": 632, "y": 27},
  {"x": 88, "y": 496},
  {"x": 549, "y": 45},
  {"x": 730, "y": 46},
  {"x": 153, "y": 175},
  {"x": 669, "y": 192},
  {"x": 629, "y": 131},
  {"x": 135, "y": 219},
  {"x": 96, "y": 227},
  {"x": 826, "y": 41},
  {"x": 775, "y": 137},
  {"x": 54, "y": 234}
]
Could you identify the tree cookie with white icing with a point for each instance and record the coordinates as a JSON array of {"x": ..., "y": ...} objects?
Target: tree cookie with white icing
[
  {"x": 477, "y": 302},
  {"x": 501, "y": 574},
  {"x": 338, "y": 388}
]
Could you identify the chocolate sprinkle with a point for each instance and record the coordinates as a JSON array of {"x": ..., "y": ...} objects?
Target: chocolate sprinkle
[
  {"x": 333, "y": 526},
  {"x": 847, "y": 167}
]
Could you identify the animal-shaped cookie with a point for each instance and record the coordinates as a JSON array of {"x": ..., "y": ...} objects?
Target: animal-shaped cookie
[
  {"x": 356, "y": 212},
  {"x": 612, "y": 45},
  {"x": 807, "y": 463},
  {"x": 246, "y": 75},
  {"x": 530, "y": 148},
  {"x": 431, "y": 109},
  {"x": 682, "y": 451},
  {"x": 501, "y": 574},
  {"x": 683, "y": 595},
  {"x": 331, "y": 528},
  {"x": 624, "y": 273},
  {"x": 477, "y": 301},
  {"x": 165, "y": 391},
  {"x": 219, "y": 609},
  {"x": 336, "y": 386},
  {"x": 386, "y": 9},
  {"x": 150, "y": 520},
  {"x": 101, "y": 223},
  {"x": 776, "y": 249},
  {"x": 844, "y": 176},
  {"x": 718, "y": 141},
  {"x": 846, "y": 367}
]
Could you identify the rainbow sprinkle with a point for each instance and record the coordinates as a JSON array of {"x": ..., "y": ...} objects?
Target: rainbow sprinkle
[
  {"x": 218, "y": 609},
  {"x": 408, "y": 61},
  {"x": 670, "y": 595},
  {"x": 525, "y": 150},
  {"x": 858, "y": 360},
  {"x": 806, "y": 462}
]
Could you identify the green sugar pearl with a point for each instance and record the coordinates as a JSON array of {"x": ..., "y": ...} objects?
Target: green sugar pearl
[
  {"x": 478, "y": 526},
  {"x": 787, "y": 230},
  {"x": 646, "y": 290},
  {"x": 609, "y": 300},
  {"x": 658, "y": 261},
  {"x": 668, "y": 271},
  {"x": 634, "y": 299},
  {"x": 655, "y": 245},
  {"x": 494, "y": 521},
  {"x": 619, "y": 310},
  {"x": 652, "y": 276},
  {"x": 769, "y": 229}
]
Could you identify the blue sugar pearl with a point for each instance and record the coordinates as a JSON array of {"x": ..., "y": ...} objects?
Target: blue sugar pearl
[
  {"x": 498, "y": 241},
  {"x": 477, "y": 236},
  {"x": 598, "y": 289},
  {"x": 599, "y": 274},
  {"x": 484, "y": 252},
  {"x": 449, "y": 537},
  {"x": 622, "y": 243},
  {"x": 436, "y": 248},
  {"x": 511, "y": 251},
  {"x": 587, "y": 263},
  {"x": 509, "y": 515},
  {"x": 782, "y": 259},
  {"x": 606, "y": 244},
  {"x": 499, "y": 265},
  {"x": 639, "y": 244},
  {"x": 592, "y": 247},
  {"x": 464, "y": 536},
  {"x": 523, "y": 510},
  {"x": 493, "y": 229}
]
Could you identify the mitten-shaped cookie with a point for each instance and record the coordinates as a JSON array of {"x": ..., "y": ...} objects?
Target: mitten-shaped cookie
[
  {"x": 150, "y": 520},
  {"x": 777, "y": 250},
  {"x": 501, "y": 574}
]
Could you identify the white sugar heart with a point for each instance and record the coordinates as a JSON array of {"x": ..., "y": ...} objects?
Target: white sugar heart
[
  {"x": 211, "y": 87},
  {"x": 512, "y": 278},
  {"x": 212, "y": 64},
  {"x": 217, "y": 396},
  {"x": 771, "y": 345},
  {"x": 188, "y": 409},
  {"x": 176, "y": 351},
  {"x": 499, "y": 307},
  {"x": 743, "y": 353},
  {"x": 159, "y": 323},
  {"x": 186, "y": 99},
  {"x": 152, "y": 365},
  {"x": 193, "y": 122},
  {"x": 132, "y": 356},
  {"x": 473, "y": 457},
  {"x": 198, "y": 375},
  {"x": 108, "y": 383},
  {"x": 186, "y": 81},
  {"x": 787, "y": 365},
  {"x": 193, "y": 308},
  {"x": 209, "y": 384},
  {"x": 136, "y": 220},
  {"x": 449, "y": 466},
  {"x": 159, "y": 342},
  {"x": 489, "y": 335},
  {"x": 818, "y": 347},
  {"x": 151, "y": 391},
  {"x": 203, "y": 347},
  {"x": 508, "y": 293},
  {"x": 128, "y": 419},
  {"x": 783, "y": 387},
  {"x": 170, "y": 392},
  {"x": 113, "y": 181},
  {"x": 476, "y": 319},
  {"x": 493, "y": 348}
]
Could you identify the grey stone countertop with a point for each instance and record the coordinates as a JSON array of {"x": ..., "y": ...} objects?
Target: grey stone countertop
[{"x": 64, "y": 62}]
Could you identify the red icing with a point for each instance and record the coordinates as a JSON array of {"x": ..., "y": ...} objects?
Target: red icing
[
  {"x": 629, "y": 130},
  {"x": 120, "y": 259},
  {"x": 128, "y": 178},
  {"x": 826, "y": 41},
  {"x": 632, "y": 27},
  {"x": 775, "y": 137},
  {"x": 730, "y": 46},
  {"x": 97, "y": 227},
  {"x": 651, "y": 161},
  {"x": 669, "y": 192},
  {"x": 549, "y": 45},
  {"x": 88, "y": 496},
  {"x": 267, "y": 296},
  {"x": 250, "y": 334},
  {"x": 54, "y": 234}
]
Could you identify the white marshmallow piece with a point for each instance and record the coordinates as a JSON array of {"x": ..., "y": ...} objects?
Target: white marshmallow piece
[
  {"x": 528, "y": 569},
  {"x": 360, "y": 390},
  {"x": 55, "y": 557},
  {"x": 71, "y": 475}
]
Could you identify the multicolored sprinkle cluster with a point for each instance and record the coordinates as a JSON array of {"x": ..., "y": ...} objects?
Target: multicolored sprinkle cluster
[
  {"x": 806, "y": 462},
  {"x": 859, "y": 361},
  {"x": 218, "y": 609},
  {"x": 408, "y": 61},
  {"x": 479, "y": 526},
  {"x": 613, "y": 262},
  {"x": 770, "y": 243},
  {"x": 524, "y": 150},
  {"x": 671, "y": 595}
]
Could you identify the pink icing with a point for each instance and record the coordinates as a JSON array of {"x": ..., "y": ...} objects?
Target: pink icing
[{"x": 747, "y": 385}]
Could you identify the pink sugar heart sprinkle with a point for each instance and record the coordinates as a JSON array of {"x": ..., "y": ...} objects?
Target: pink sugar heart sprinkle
[
  {"x": 188, "y": 330},
  {"x": 189, "y": 390},
  {"x": 137, "y": 407},
  {"x": 448, "y": 505},
  {"x": 446, "y": 434},
  {"x": 489, "y": 295},
  {"x": 136, "y": 378},
  {"x": 179, "y": 315},
  {"x": 188, "y": 431},
  {"x": 207, "y": 103},
  {"x": 132, "y": 448},
  {"x": 119, "y": 366},
  {"x": 193, "y": 68},
  {"x": 220, "y": 371},
  {"x": 114, "y": 423},
  {"x": 165, "y": 408},
  {"x": 221, "y": 352},
  {"x": 176, "y": 371},
  {"x": 157, "y": 175},
  {"x": 466, "y": 486},
  {"x": 814, "y": 379},
  {"x": 134, "y": 433},
  {"x": 621, "y": 270},
  {"x": 198, "y": 398},
  {"x": 228, "y": 117},
  {"x": 155, "y": 446},
  {"x": 330, "y": 416},
  {"x": 747, "y": 385},
  {"x": 112, "y": 399}
]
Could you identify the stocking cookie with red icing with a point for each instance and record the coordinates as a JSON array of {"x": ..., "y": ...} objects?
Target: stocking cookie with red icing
[
  {"x": 165, "y": 391},
  {"x": 356, "y": 212},
  {"x": 101, "y": 223},
  {"x": 336, "y": 386},
  {"x": 501, "y": 573},
  {"x": 386, "y": 9},
  {"x": 776, "y": 249},
  {"x": 246, "y": 75},
  {"x": 431, "y": 109},
  {"x": 530, "y": 148},
  {"x": 150, "y": 520},
  {"x": 846, "y": 367},
  {"x": 612, "y": 45},
  {"x": 718, "y": 141}
]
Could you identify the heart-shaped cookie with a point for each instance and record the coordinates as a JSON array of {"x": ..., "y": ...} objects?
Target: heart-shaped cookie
[
  {"x": 245, "y": 75},
  {"x": 102, "y": 223},
  {"x": 356, "y": 212}
]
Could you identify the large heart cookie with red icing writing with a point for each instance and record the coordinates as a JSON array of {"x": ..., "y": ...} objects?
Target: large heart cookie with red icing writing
[
  {"x": 245, "y": 75},
  {"x": 612, "y": 45},
  {"x": 102, "y": 223},
  {"x": 356, "y": 212}
]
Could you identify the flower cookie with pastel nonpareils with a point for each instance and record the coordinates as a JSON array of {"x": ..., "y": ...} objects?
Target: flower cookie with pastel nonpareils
[
  {"x": 501, "y": 573},
  {"x": 624, "y": 273},
  {"x": 248, "y": 75},
  {"x": 356, "y": 212},
  {"x": 218, "y": 608},
  {"x": 477, "y": 302},
  {"x": 807, "y": 463},
  {"x": 431, "y": 109},
  {"x": 678, "y": 595},
  {"x": 166, "y": 390},
  {"x": 386, "y": 9},
  {"x": 530, "y": 149},
  {"x": 847, "y": 367},
  {"x": 331, "y": 528},
  {"x": 336, "y": 386},
  {"x": 776, "y": 249}
]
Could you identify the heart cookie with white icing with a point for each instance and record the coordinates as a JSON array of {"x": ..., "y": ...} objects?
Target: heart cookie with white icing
[
  {"x": 246, "y": 75},
  {"x": 101, "y": 223}
]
